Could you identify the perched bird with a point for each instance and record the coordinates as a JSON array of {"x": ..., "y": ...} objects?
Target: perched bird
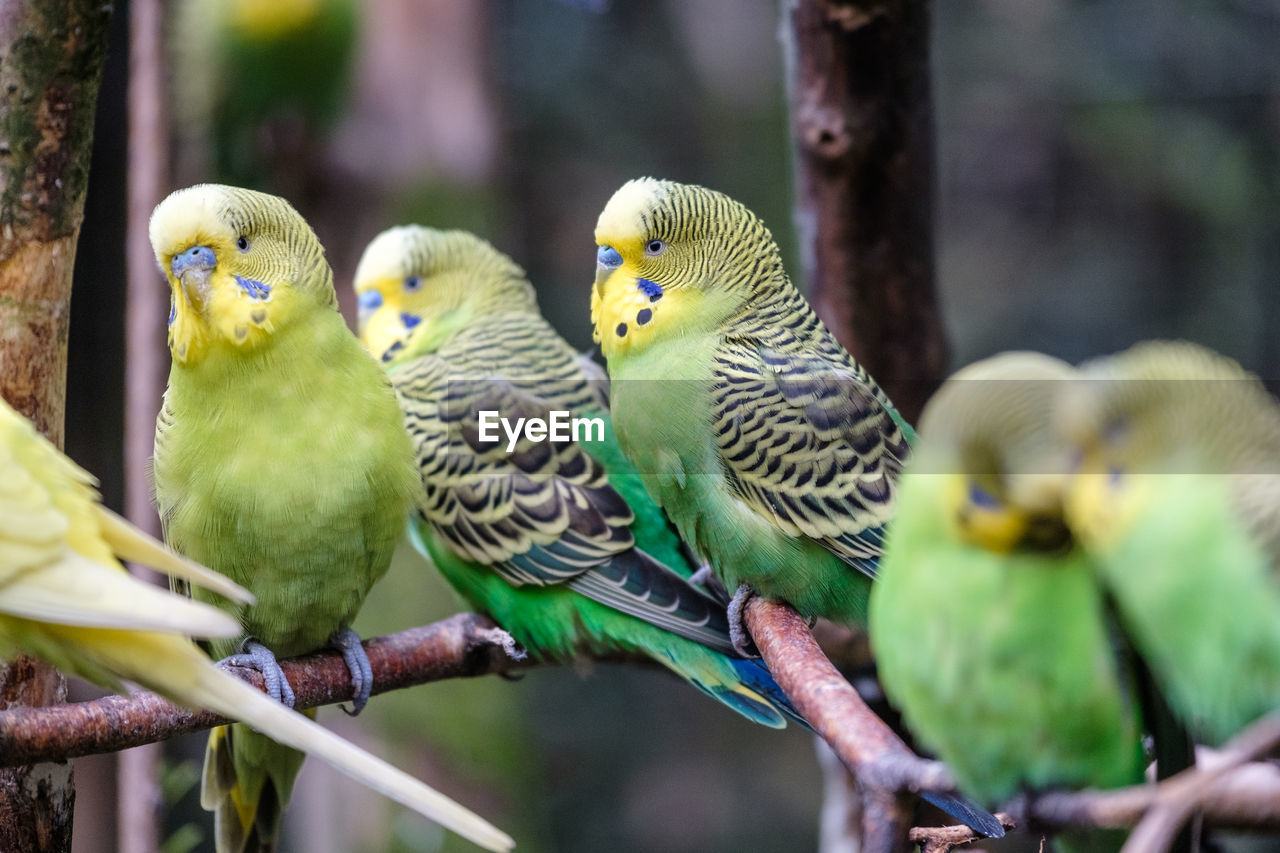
[
  {"x": 65, "y": 598},
  {"x": 554, "y": 539},
  {"x": 772, "y": 450},
  {"x": 990, "y": 631},
  {"x": 262, "y": 85},
  {"x": 1178, "y": 502},
  {"x": 279, "y": 460}
]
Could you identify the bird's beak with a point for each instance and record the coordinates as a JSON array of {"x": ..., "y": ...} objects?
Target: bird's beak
[
  {"x": 192, "y": 268},
  {"x": 608, "y": 259}
]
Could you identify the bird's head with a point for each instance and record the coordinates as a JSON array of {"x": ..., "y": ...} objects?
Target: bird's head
[
  {"x": 673, "y": 259},
  {"x": 988, "y": 436},
  {"x": 1158, "y": 408},
  {"x": 240, "y": 264},
  {"x": 417, "y": 287}
]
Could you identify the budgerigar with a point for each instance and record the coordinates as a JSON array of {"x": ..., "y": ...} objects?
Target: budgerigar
[
  {"x": 546, "y": 538},
  {"x": 1178, "y": 501},
  {"x": 557, "y": 540},
  {"x": 279, "y": 461},
  {"x": 65, "y": 598},
  {"x": 261, "y": 83},
  {"x": 774, "y": 452},
  {"x": 989, "y": 627}
]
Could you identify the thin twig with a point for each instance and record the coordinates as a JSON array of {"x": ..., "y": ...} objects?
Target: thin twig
[
  {"x": 940, "y": 839},
  {"x": 1180, "y": 796},
  {"x": 461, "y": 646}
]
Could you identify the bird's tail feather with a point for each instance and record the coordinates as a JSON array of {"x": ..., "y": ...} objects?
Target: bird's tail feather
[
  {"x": 248, "y": 802},
  {"x": 225, "y": 694}
]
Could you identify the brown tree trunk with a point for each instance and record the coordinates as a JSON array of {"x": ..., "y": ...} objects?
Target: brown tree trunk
[
  {"x": 861, "y": 117},
  {"x": 51, "y": 54}
]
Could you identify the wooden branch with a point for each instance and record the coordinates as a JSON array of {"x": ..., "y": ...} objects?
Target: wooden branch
[
  {"x": 1180, "y": 796},
  {"x": 51, "y": 57},
  {"x": 461, "y": 646},
  {"x": 861, "y": 121},
  {"x": 940, "y": 839},
  {"x": 865, "y": 743},
  {"x": 878, "y": 759}
]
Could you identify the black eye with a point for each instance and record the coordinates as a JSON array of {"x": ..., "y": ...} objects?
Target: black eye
[
  {"x": 412, "y": 283},
  {"x": 655, "y": 247},
  {"x": 243, "y": 243}
]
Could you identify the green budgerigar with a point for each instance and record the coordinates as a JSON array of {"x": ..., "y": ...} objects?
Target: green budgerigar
[
  {"x": 279, "y": 461},
  {"x": 774, "y": 452},
  {"x": 1178, "y": 502},
  {"x": 553, "y": 538},
  {"x": 990, "y": 630},
  {"x": 65, "y": 598}
]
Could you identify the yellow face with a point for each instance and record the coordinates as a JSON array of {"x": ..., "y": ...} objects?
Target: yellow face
[
  {"x": 1004, "y": 514},
  {"x": 234, "y": 260},
  {"x": 263, "y": 21},
  {"x": 650, "y": 281},
  {"x": 416, "y": 287}
]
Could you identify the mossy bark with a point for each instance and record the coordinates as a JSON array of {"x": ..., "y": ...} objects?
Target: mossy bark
[
  {"x": 51, "y": 54},
  {"x": 862, "y": 125}
]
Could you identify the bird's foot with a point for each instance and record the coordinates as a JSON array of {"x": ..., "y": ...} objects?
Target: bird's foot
[
  {"x": 348, "y": 642},
  {"x": 499, "y": 637},
  {"x": 702, "y": 576},
  {"x": 706, "y": 578},
  {"x": 738, "y": 634},
  {"x": 255, "y": 655}
]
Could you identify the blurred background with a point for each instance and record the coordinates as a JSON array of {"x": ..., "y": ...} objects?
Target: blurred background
[{"x": 1108, "y": 171}]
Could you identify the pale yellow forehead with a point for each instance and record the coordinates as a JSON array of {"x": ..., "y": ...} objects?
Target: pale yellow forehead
[
  {"x": 195, "y": 215},
  {"x": 385, "y": 255},
  {"x": 624, "y": 215}
]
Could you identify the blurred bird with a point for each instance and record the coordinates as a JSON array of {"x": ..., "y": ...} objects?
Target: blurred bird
[
  {"x": 280, "y": 461},
  {"x": 65, "y": 598},
  {"x": 261, "y": 83},
  {"x": 545, "y": 536},
  {"x": 990, "y": 630},
  {"x": 1178, "y": 502},
  {"x": 772, "y": 450}
]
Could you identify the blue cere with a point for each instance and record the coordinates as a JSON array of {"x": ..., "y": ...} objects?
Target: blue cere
[
  {"x": 410, "y": 320},
  {"x": 370, "y": 300},
  {"x": 200, "y": 257},
  {"x": 979, "y": 496},
  {"x": 608, "y": 257},
  {"x": 256, "y": 289},
  {"x": 651, "y": 289}
]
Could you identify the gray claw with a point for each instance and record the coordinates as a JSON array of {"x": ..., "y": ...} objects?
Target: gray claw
[
  {"x": 347, "y": 641},
  {"x": 255, "y": 655},
  {"x": 738, "y": 634}
]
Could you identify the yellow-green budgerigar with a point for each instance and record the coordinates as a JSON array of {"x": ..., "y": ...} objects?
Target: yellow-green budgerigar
[
  {"x": 774, "y": 452},
  {"x": 1178, "y": 501},
  {"x": 554, "y": 539},
  {"x": 279, "y": 461},
  {"x": 989, "y": 627},
  {"x": 65, "y": 598},
  {"x": 261, "y": 83}
]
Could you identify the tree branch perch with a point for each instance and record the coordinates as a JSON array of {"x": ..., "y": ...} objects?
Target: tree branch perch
[{"x": 461, "y": 646}]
